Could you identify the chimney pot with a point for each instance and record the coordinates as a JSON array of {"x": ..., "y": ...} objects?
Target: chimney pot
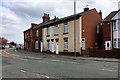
[{"x": 86, "y": 9}]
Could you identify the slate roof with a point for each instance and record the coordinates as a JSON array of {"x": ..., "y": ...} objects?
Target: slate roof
[
  {"x": 61, "y": 19},
  {"x": 111, "y": 15}
]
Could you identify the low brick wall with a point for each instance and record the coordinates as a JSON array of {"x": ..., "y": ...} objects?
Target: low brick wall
[{"x": 104, "y": 53}]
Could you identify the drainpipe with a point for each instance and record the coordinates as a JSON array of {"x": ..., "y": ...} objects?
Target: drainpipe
[{"x": 111, "y": 34}]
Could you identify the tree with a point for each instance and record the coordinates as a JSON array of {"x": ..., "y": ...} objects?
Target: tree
[{"x": 3, "y": 41}]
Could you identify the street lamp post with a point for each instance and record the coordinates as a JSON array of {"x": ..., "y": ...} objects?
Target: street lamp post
[{"x": 74, "y": 27}]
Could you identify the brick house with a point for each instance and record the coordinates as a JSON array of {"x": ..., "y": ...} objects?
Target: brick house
[
  {"x": 111, "y": 31},
  {"x": 32, "y": 37},
  {"x": 58, "y": 34}
]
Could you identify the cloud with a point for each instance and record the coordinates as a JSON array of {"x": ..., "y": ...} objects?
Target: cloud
[{"x": 17, "y": 15}]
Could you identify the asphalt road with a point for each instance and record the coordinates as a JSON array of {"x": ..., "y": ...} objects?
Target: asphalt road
[{"x": 37, "y": 65}]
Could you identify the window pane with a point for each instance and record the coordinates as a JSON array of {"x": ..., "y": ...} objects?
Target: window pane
[
  {"x": 48, "y": 31},
  {"x": 36, "y": 44},
  {"x": 65, "y": 27},
  {"x": 37, "y": 32},
  {"x": 56, "y": 29},
  {"x": 65, "y": 44}
]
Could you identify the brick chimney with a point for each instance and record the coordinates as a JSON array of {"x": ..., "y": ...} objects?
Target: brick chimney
[
  {"x": 55, "y": 18},
  {"x": 33, "y": 25},
  {"x": 86, "y": 9},
  {"x": 46, "y": 17},
  {"x": 100, "y": 13}
]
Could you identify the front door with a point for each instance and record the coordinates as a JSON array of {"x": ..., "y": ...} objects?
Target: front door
[
  {"x": 57, "y": 49},
  {"x": 107, "y": 45},
  {"x": 52, "y": 46},
  {"x": 41, "y": 46}
]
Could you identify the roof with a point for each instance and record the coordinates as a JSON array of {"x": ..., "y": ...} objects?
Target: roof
[
  {"x": 110, "y": 16},
  {"x": 59, "y": 20}
]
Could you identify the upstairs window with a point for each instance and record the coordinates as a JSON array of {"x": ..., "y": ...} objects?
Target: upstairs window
[
  {"x": 48, "y": 31},
  {"x": 56, "y": 29},
  {"x": 37, "y": 33},
  {"x": 66, "y": 27},
  {"x": 97, "y": 28},
  {"x": 66, "y": 44},
  {"x": 114, "y": 25}
]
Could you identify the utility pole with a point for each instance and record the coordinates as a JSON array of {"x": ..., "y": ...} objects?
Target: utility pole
[{"x": 74, "y": 27}]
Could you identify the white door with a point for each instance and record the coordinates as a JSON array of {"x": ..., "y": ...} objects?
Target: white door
[
  {"x": 52, "y": 47},
  {"x": 57, "y": 49},
  {"x": 107, "y": 45},
  {"x": 41, "y": 46}
]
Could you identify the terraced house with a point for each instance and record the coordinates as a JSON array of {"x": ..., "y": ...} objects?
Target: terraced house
[
  {"x": 58, "y": 34},
  {"x": 111, "y": 37}
]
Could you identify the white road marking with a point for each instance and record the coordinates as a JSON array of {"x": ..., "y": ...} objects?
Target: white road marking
[
  {"x": 55, "y": 60},
  {"x": 23, "y": 71},
  {"x": 108, "y": 70},
  {"x": 43, "y": 62}
]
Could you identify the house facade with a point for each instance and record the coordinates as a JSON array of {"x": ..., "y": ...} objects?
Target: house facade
[
  {"x": 58, "y": 34},
  {"x": 32, "y": 38},
  {"x": 111, "y": 31}
]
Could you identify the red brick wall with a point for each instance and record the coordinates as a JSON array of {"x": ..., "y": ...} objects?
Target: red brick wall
[
  {"x": 89, "y": 24},
  {"x": 106, "y": 32}
]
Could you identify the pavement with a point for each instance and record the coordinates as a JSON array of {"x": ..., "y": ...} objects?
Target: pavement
[{"x": 65, "y": 56}]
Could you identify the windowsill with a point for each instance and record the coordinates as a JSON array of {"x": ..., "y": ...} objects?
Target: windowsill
[
  {"x": 55, "y": 34},
  {"x": 48, "y": 35},
  {"x": 66, "y": 50},
  {"x": 65, "y": 33}
]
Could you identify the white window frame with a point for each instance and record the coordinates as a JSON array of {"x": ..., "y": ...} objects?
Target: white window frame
[
  {"x": 114, "y": 25},
  {"x": 37, "y": 32},
  {"x": 36, "y": 44},
  {"x": 98, "y": 29},
  {"x": 48, "y": 30},
  {"x": 48, "y": 45},
  {"x": 83, "y": 44},
  {"x": 66, "y": 27},
  {"x": 65, "y": 44},
  {"x": 56, "y": 29}
]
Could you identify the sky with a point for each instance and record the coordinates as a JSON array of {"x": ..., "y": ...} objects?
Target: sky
[{"x": 17, "y": 15}]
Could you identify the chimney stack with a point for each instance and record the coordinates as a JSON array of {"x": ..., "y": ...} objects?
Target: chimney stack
[
  {"x": 55, "y": 18},
  {"x": 100, "y": 13},
  {"x": 33, "y": 25},
  {"x": 86, "y": 9},
  {"x": 46, "y": 17}
]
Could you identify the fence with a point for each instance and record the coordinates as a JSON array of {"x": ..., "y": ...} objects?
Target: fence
[{"x": 104, "y": 53}]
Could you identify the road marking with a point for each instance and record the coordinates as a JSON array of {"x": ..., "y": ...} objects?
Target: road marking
[
  {"x": 108, "y": 70},
  {"x": 23, "y": 71},
  {"x": 55, "y": 60},
  {"x": 43, "y": 62}
]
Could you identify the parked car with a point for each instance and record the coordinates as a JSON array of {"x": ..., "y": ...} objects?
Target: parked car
[
  {"x": 18, "y": 47},
  {"x": 2, "y": 47}
]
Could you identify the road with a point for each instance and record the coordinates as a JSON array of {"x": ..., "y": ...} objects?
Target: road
[{"x": 37, "y": 65}]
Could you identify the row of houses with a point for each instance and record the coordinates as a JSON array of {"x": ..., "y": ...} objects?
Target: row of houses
[{"x": 57, "y": 35}]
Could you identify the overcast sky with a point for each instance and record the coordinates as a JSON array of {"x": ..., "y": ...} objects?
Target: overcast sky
[{"x": 17, "y": 15}]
